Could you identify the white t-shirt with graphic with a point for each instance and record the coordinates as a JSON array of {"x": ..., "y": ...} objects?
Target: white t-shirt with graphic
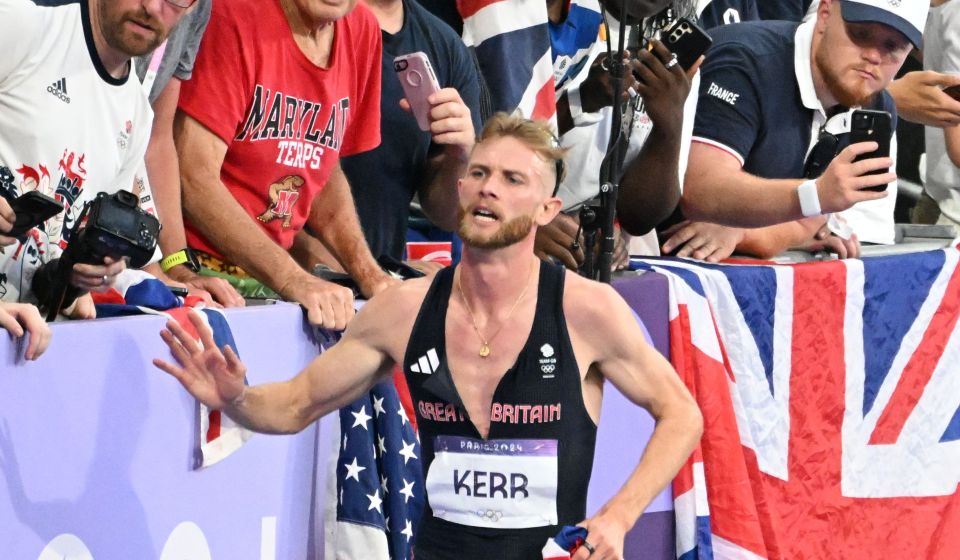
[{"x": 67, "y": 128}]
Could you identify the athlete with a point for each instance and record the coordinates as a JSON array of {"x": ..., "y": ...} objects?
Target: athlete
[{"x": 505, "y": 357}]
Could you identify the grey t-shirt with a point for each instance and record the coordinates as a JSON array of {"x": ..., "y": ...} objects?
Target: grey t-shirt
[{"x": 181, "y": 49}]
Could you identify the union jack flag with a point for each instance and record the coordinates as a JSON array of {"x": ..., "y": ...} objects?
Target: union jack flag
[
  {"x": 831, "y": 401},
  {"x": 139, "y": 293},
  {"x": 512, "y": 44}
]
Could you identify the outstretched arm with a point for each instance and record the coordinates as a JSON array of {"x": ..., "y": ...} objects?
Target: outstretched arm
[
  {"x": 338, "y": 376},
  {"x": 637, "y": 370},
  {"x": 920, "y": 98},
  {"x": 333, "y": 219},
  {"x": 718, "y": 190}
]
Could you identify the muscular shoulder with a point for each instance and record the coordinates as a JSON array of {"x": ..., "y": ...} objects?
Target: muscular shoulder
[
  {"x": 386, "y": 321},
  {"x": 603, "y": 329},
  {"x": 590, "y": 306}
]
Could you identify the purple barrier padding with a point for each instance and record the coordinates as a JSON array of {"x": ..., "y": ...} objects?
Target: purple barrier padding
[
  {"x": 654, "y": 536},
  {"x": 96, "y": 442},
  {"x": 625, "y": 429},
  {"x": 648, "y": 295}
]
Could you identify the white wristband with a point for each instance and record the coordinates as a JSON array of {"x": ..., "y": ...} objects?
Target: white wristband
[
  {"x": 809, "y": 198},
  {"x": 577, "y": 115}
]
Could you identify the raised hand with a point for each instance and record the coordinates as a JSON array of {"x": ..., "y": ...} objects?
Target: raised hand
[
  {"x": 215, "y": 378},
  {"x": 841, "y": 185}
]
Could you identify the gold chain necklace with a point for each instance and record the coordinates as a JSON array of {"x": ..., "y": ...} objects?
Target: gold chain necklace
[{"x": 485, "y": 342}]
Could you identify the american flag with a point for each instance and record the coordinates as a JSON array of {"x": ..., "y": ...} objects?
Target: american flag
[
  {"x": 512, "y": 44},
  {"x": 379, "y": 482},
  {"x": 831, "y": 401}
]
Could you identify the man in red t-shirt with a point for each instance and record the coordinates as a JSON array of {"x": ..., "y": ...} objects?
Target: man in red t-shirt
[{"x": 281, "y": 89}]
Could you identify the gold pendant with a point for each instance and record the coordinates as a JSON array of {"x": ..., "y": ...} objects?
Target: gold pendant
[{"x": 484, "y": 350}]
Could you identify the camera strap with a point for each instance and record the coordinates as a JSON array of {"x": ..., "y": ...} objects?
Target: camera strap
[{"x": 60, "y": 278}]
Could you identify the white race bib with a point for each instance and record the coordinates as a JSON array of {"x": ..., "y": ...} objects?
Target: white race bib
[{"x": 505, "y": 483}]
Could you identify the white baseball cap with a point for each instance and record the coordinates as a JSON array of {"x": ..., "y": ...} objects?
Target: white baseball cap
[{"x": 906, "y": 16}]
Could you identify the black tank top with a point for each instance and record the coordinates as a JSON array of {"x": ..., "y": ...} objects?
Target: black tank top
[{"x": 539, "y": 398}]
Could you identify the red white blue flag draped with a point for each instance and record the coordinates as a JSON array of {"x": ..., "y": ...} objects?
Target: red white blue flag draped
[
  {"x": 831, "y": 401},
  {"x": 512, "y": 44},
  {"x": 379, "y": 479},
  {"x": 375, "y": 492}
]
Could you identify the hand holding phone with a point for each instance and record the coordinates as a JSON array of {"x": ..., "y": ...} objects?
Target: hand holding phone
[
  {"x": 687, "y": 40},
  {"x": 419, "y": 82},
  {"x": 32, "y": 209},
  {"x": 872, "y": 126}
]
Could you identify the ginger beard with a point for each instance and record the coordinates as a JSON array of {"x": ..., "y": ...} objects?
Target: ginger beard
[
  {"x": 847, "y": 95},
  {"x": 132, "y": 32},
  {"x": 510, "y": 232}
]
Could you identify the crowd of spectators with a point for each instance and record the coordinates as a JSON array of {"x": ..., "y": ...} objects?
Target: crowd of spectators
[{"x": 272, "y": 138}]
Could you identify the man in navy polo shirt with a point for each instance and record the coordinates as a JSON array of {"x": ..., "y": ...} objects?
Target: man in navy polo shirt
[
  {"x": 714, "y": 13},
  {"x": 769, "y": 92}
]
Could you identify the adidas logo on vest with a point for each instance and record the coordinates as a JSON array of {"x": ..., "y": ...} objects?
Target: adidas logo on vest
[{"x": 427, "y": 363}]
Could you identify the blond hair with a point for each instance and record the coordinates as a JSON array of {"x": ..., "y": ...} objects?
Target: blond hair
[{"x": 536, "y": 135}]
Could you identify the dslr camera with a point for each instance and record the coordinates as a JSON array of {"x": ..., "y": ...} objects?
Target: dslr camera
[{"x": 115, "y": 227}]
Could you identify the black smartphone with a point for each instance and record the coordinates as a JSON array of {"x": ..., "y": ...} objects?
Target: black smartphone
[
  {"x": 872, "y": 126},
  {"x": 178, "y": 291},
  {"x": 399, "y": 268},
  {"x": 32, "y": 209},
  {"x": 953, "y": 91},
  {"x": 687, "y": 40}
]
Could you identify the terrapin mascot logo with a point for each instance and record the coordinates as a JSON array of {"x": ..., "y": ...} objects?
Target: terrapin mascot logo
[{"x": 283, "y": 195}]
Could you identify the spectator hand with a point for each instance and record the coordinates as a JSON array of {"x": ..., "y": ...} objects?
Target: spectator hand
[
  {"x": 378, "y": 282},
  {"x": 596, "y": 91},
  {"x": 328, "y": 305},
  {"x": 664, "y": 90},
  {"x": 450, "y": 122},
  {"x": 7, "y": 219},
  {"x": 840, "y": 186},
  {"x": 216, "y": 291},
  {"x": 81, "y": 308},
  {"x": 23, "y": 318},
  {"x": 215, "y": 378},
  {"x": 702, "y": 240},
  {"x": 920, "y": 98},
  {"x": 826, "y": 240},
  {"x": 95, "y": 277},
  {"x": 621, "y": 250},
  {"x": 556, "y": 240}
]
